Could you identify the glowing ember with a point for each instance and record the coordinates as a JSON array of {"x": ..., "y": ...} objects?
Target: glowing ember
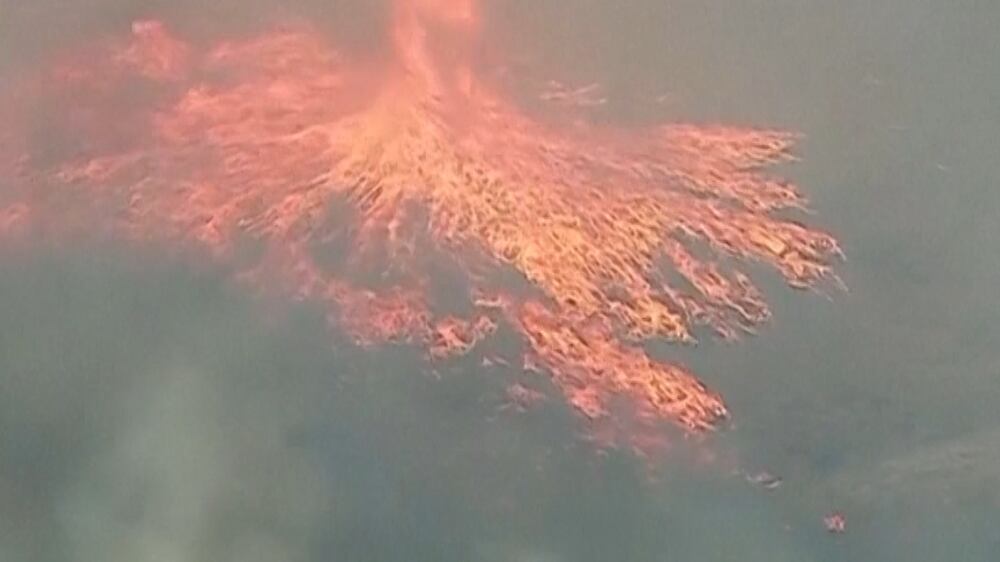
[
  {"x": 835, "y": 522},
  {"x": 351, "y": 185}
]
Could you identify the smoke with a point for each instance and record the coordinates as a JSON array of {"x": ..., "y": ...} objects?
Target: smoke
[
  {"x": 148, "y": 414},
  {"x": 175, "y": 471},
  {"x": 129, "y": 434},
  {"x": 32, "y": 30}
]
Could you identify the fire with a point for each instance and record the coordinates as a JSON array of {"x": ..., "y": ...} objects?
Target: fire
[{"x": 352, "y": 184}]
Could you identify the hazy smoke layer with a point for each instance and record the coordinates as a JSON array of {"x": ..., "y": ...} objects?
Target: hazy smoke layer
[
  {"x": 28, "y": 29},
  {"x": 146, "y": 415}
]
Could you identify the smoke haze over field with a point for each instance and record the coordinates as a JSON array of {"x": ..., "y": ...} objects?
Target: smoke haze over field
[
  {"x": 28, "y": 29},
  {"x": 150, "y": 411},
  {"x": 149, "y": 415}
]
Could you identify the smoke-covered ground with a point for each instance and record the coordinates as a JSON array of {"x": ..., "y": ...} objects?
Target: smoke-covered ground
[{"x": 149, "y": 411}]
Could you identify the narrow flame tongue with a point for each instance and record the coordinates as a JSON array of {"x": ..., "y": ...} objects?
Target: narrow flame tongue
[
  {"x": 457, "y": 12},
  {"x": 435, "y": 40},
  {"x": 459, "y": 17}
]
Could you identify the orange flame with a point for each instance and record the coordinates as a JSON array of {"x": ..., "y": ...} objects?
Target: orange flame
[{"x": 330, "y": 182}]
